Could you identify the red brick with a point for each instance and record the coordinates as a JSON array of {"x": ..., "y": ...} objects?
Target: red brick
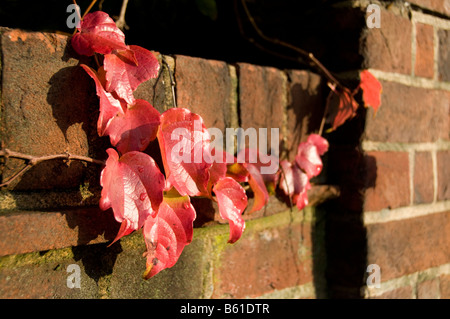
[
  {"x": 423, "y": 178},
  {"x": 262, "y": 98},
  {"x": 409, "y": 115},
  {"x": 46, "y": 106},
  {"x": 444, "y": 55},
  {"x": 387, "y": 180},
  {"x": 443, "y": 172},
  {"x": 204, "y": 87},
  {"x": 305, "y": 107},
  {"x": 445, "y": 286},
  {"x": 260, "y": 262},
  {"x": 424, "y": 65},
  {"x": 428, "y": 289},
  {"x": 410, "y": 245},
  {"x": 440, "y": 6},
  {"x": 22, "y": 232},
  {"x": 389, "y": 48},
  {"x": 399, "y": 293}
]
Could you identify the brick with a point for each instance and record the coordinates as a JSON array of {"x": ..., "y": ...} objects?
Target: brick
[
  {"x": 22, "y": 232},
  {"x": 387, "y": 180},
  {"x": 389, "y": 48},
  {"x": 410, "y": 245},
  {"x": 204, "y": 87},
  {"x": 445, "y": 286},
  {"x": 47, "y": 102},
  {"x": 424, "y": 64},
  {"x": 185, "y": 280},
  {"x": 423, "y": 178},
  {"x": 262, "y": 98},
  {"x": 440, "y": 6},
  {"x": 305, "y": 108},
  {"x": 398, "y": 293},
  {"x": 444, "y": 55},
  {"x": 263, "y": 261},
  {"x": 44, "y": 276},
  {"x": 409, "y": 115},
  {"x": 428, "y": 289},
  {"x": 443, "y": 171}
]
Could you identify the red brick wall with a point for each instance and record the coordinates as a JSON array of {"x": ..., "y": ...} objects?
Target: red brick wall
[
  {"x": 392, "y": 171},
  {"x": 406, "y": 209}
]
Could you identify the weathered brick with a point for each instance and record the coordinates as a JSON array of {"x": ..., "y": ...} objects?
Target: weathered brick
[
  {"x": 47, "y": 103},
  {"x": 264, "y": 260},
  {"x": 205, "y": 87},
  {"x": 44, "y": 275},
  {"x": 384, "y": 49},
  {"x": 440, "y": 6},
  {"x": 444, "y": 55},
  {"x": 423, "y": 178},
  {"x": 398, "y": 293},
  {"x": 22, "y": 232},
  {"x": 443, "y": 171},
  {"x": 408, "y": 115},
  {"x": 424, "y": 64},
  {"x": 387, "y": 180},
  {"x": 262, "y": 98},
  {"x": 305, "y": 108},
  {"x": 428, "y": 289},
  {"x": 185, "y": 280},
  {"x": 410, "y": 245},
  {"x": 444, "y": 283}
]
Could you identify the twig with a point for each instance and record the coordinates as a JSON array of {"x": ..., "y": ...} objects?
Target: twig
[
  {"x": 120, "y": 23},
  {"x": 32, "y": 160},
  {"x": 313, "y": 60},
  {"x": 89, "y": 8}
]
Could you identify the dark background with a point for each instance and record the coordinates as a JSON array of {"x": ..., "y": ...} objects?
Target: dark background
[{"x": 210, "y": 28}]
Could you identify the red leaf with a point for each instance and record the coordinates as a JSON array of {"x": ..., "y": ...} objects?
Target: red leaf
[
  {"x": 168, "y": 233},
  {"x": 124, "y": 76},
  {"x": 135, "y": 129},
  {"x": 344, "y": 109},
  {"x": 372, "y": 89},
  {"x": 308, "y": 159},
  {"x": 295, "y": 183},
  {"x": 98, "y": 33},
  {"x": 184, "y": 143},
  {"x": 256, "y": 182},
  {"x": 109, "y": 106},
  {"x": 319, "y": 142},
  {"x": 267, "y": 165},
  {"x": 132, "y": 187},
  {"x": 232, "y": 201}
]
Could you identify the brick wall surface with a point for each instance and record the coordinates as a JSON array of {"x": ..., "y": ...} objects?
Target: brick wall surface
[{"x": 392, "y": 170}]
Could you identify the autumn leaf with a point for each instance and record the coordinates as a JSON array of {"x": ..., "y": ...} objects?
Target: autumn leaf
[
  {"x": 308, "y": 159},
  {"x": 109, "y": 105},
  {"x": 342, "y": 106},
  {"x": 132, "y": 187},
  {"x": 294, "y": 183},
  {"x": 232, "y": 201},
  {"x": 123, "y": 76},
  {"x": 256, "y": 182},
  {"x": 372, "y": 89},
  {"x": 167, "y": 233},
  {"x": 98, "y": 33},
  {"x": 135, "y": 129},
  {"x": 185, "y": 143}
]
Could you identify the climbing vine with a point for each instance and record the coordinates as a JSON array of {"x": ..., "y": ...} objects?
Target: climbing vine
[{"x": 143, "y": 195}]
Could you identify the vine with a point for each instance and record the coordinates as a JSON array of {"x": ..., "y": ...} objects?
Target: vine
[{"x": 158, "y": 200}]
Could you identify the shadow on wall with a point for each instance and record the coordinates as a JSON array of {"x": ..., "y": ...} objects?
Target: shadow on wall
[{"x": 345, "y": 239}]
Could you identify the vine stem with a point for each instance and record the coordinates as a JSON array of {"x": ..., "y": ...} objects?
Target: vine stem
[
  {"x": 308, "y": 55},
  {"x": 32, "y": 160}
]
